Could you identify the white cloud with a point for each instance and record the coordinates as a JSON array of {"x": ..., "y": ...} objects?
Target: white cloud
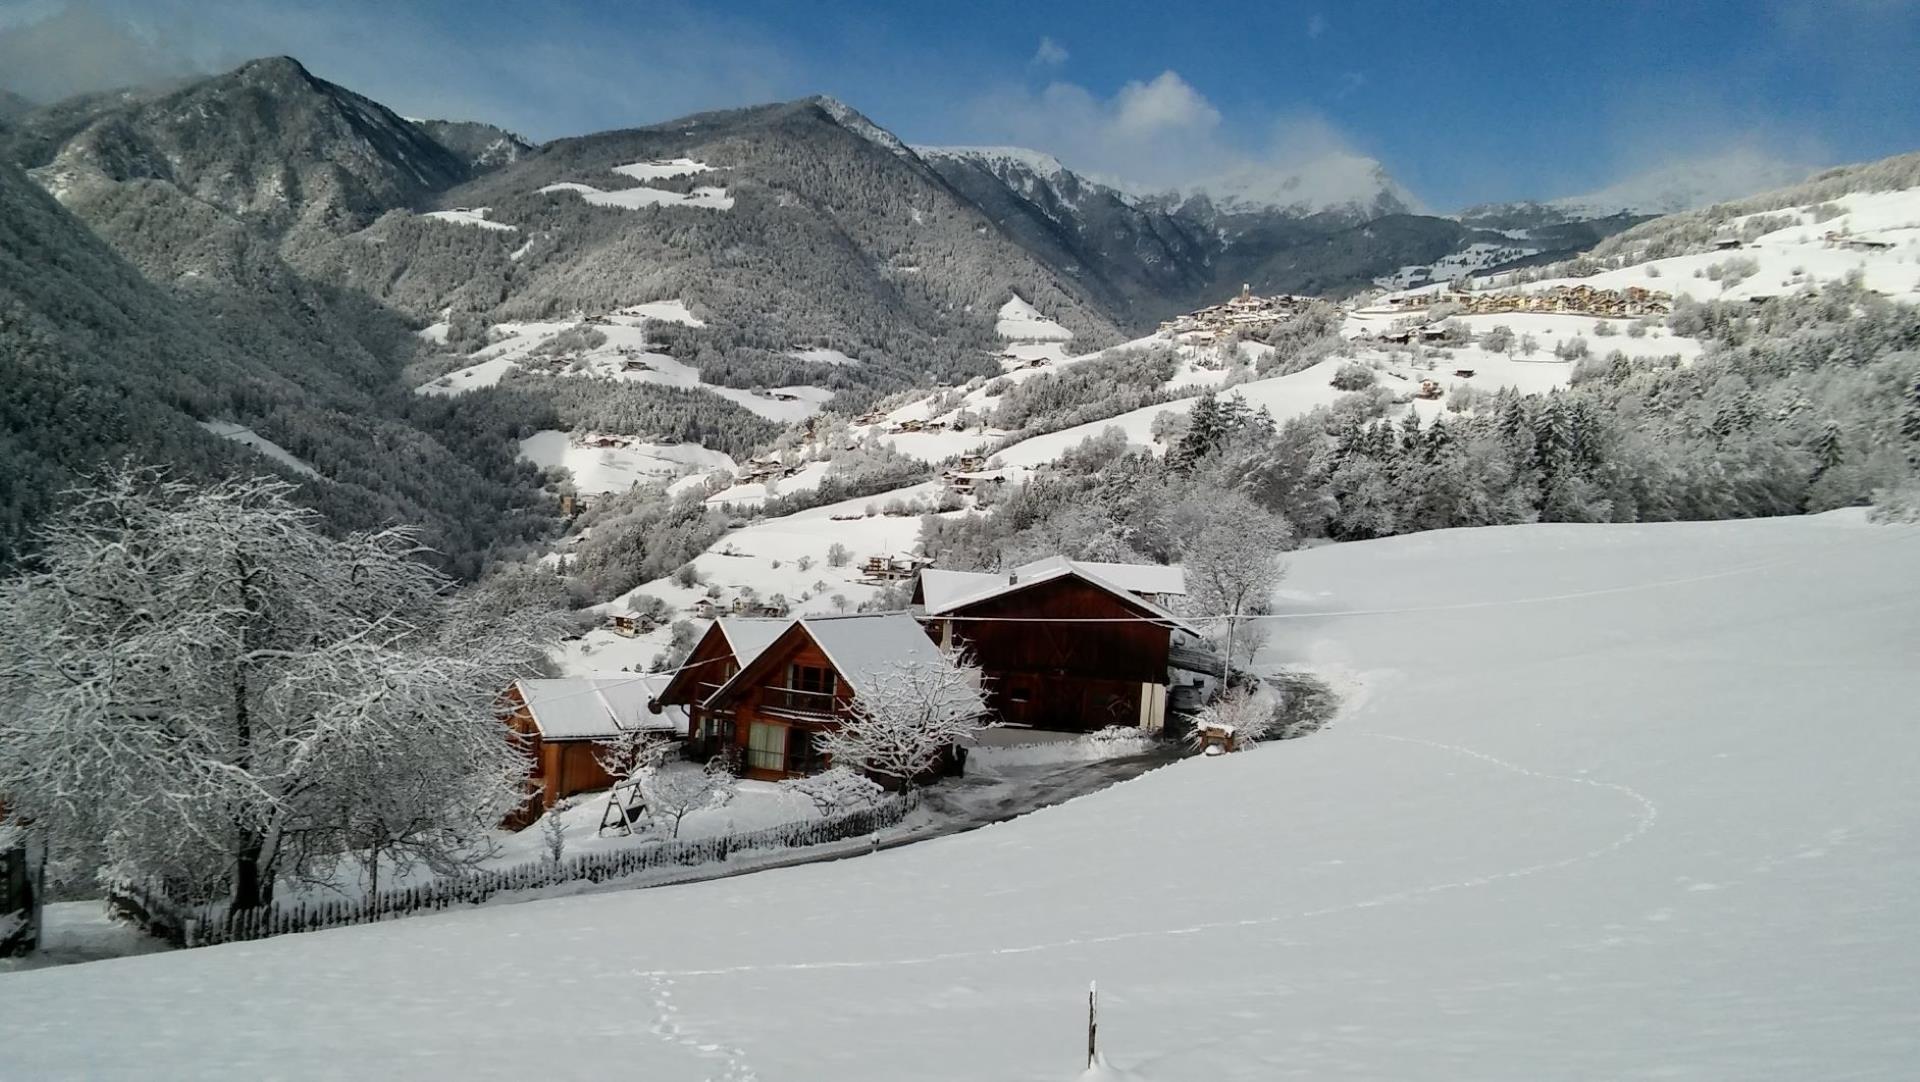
[
  {"x": 1163, "y": 133},
  {"x": 1316, "y": 25},
  {"x": 1050, "y": 54}
]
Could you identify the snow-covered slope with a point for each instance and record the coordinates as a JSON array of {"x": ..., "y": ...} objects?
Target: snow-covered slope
[
  {"x": 1604, "y": 802},
  {"x": 622, "y": 352}
]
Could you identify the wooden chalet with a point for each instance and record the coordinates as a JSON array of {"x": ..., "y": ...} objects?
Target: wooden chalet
[
  {"x": 767, "y": 716},
  {"x": 729, "y": 643},
  {"x": 566, "y": 724},
  {"x": 1065, "y": 645}
]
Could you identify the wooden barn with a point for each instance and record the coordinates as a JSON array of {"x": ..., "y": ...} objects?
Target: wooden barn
[
  {"x": 566, "y": 723},
  {"x": 770, "y": 711},
  {"x": 729, "y": 643},
  {"x": 1064, "y": 645}
]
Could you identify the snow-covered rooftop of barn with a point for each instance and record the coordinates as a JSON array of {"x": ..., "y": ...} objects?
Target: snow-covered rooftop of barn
[
  {"x": 947, "y": 591},
  {"x": 872, "y": 644},
  {"x": 593, "y": 707},
  {"x": 1137, "y": 578}
]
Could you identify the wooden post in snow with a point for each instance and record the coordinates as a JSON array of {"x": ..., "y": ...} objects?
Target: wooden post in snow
[{"x": 1093, "y": 1025}]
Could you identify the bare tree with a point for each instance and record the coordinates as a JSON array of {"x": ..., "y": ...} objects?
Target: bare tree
[
  {"x": 904, "y": 718},
  {"x": 204, "y": 686},
  {"x": 675, "y": 790}
]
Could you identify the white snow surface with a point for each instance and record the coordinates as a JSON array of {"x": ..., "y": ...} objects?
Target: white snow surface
[
  {"x": 1603, "y": 802},
  {"x": 247, "y": 437},
  {"x": 1023, "y": 322},
  {"x": 476, "y": 216},
  {"x": 617, "y": 469},
  {"x": 709, "y": 198},
  {"x": 625, "y": 354}
]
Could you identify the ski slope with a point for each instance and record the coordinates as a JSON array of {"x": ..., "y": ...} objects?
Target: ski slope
[{"x": 1604, "y": 802}]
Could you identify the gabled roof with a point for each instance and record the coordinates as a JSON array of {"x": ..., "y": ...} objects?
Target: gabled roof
[
  {"x": 593, "y": 707},
  {"x": 1166, "y": 579},
  {"x": 749, "y": 635},
  {"x": 952, "y": 591},
  {"x": 868, "y": 645},
  {"x": 860, "y": 647}
]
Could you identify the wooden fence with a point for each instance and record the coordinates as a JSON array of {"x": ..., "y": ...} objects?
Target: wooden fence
[{"x": 191, "y": 925}]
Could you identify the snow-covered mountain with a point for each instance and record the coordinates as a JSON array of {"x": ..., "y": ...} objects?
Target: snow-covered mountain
[{"x": 1348, "y": 185}]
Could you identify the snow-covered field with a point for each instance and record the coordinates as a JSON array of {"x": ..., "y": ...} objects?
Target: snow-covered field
[
  {"x": 709, "y": 198},
  {"x": 1022, "y": 322},
  {"x": 1458, "y": 265},
  {"x": 1604, "y": 802},
  {"x": 616, "y": 469},
  {"x": 474, "y": 216},
  {"x": 624, "y": 354}
]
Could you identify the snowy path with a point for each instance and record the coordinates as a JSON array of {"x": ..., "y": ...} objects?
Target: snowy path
[{"x": 1607, "y": 802}]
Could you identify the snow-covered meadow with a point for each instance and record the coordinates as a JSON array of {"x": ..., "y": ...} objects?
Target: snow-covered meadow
[{"x": 1604, "y": 802}]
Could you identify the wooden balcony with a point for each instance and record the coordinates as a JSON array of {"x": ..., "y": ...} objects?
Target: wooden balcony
[{"x": 797, "y": 703}]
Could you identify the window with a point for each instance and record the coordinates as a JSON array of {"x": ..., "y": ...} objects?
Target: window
[
  {"x": 803, "y": 754},
  {"x": 767, "y": 747},
  {"x": 815, "y": 678}
]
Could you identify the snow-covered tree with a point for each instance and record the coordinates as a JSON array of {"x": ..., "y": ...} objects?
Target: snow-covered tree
[
  {"x": 205, "y": 687},
  {"x": 1248, "y": 713},
  {"x": 904, "y": 718},
  {"x": 1231, "y": 549},
  {"x": 675, "y": 790},
  {"x": 553, "y": 829}
]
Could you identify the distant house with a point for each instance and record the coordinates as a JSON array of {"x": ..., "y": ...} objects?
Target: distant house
[
  {"x": 567, "y": 723},
  {"x": 729, "y": 643},
  {"x": 771, "y": 711},
  {"x": 1064, "y": 644}
]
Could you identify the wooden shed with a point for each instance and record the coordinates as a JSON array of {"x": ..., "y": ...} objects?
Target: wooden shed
[{"x": 566, "y": 724}]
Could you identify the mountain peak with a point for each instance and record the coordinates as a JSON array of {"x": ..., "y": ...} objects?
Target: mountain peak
[
  {"x": 856, "y": 122},
  {"x": 1340, "y": 183}
]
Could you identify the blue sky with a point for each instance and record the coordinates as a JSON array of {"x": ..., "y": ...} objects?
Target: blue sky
[{"x": 1461, "y": 101}]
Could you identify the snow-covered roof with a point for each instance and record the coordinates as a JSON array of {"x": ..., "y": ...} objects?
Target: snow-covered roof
[
  {"x": 941, "y": 589},
  {"x": 860, "y": 646},
  {"x": 948, "y": 591},
  {"x": 595, "y": 707},
  {"x": 870, "y": 644},
  {"x": 1137, "y": 578},
  {"x": 749, "y": 635}
]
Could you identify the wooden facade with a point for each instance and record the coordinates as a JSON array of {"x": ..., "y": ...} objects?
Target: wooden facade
[
  {"x": 763, "y": 718},
  {"x": 561, "y": 768},
  {"x": 1064, "y": 676},
  {"x": 765, "y": 724}
]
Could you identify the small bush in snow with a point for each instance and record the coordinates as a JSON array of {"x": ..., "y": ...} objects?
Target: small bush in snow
[{"x": 836, "y": 790}]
